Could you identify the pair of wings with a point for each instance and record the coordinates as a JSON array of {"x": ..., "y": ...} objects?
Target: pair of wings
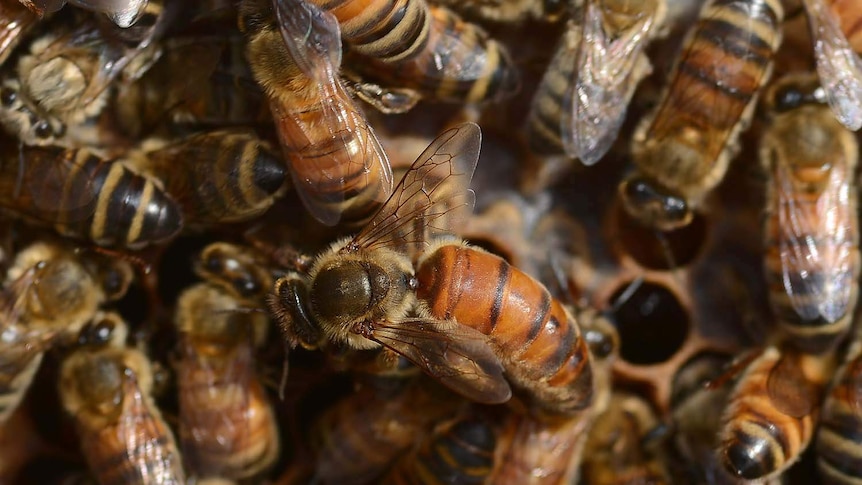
[
  {"x": 839, "y": 67},
  {"x": 605, "y": 74},
  {"x": 817, "y": 243},
  {"x": 313, "y": 40},
  {"x": 725, "y": 66},
  {"x": 142, "y": 438}
]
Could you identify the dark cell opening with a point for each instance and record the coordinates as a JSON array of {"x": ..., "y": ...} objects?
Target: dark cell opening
[
  {"x": 651, "y": 322},
  {"x": 662, "y": 250}
]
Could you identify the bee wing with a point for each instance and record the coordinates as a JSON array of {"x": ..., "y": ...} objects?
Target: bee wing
[
  {"x": 201, "y": 428},
  {"x": 816, "y": 238},
  {"x": 38, "y": 192},
  {"x": 595, "y": 102},
  {"x": 15, "y": 21},
  {"x": 790, "y": 391},
  {"x": 838, "y": 66},
  {"x": 142, "y": 437},
  {"x": 456, "y": 355},
  {"x": 432, "y": 196},
  {"x": 41, "y": 7},
  {"x": 123, "y": 12},
  {"x": 311, "y": 35},
  {"x": 698, "y": 97}
]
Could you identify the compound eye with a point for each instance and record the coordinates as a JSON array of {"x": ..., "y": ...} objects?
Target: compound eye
[
  {"x": 246, "y": 286},
  {"x": 788, "y": 98},
  {"x": 42, "y": 129},
  {"x": 8, "y": 96}
]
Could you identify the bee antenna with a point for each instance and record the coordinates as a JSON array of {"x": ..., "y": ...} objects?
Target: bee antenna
[
  {"x": 285, "y": 368},
  {"x": 19, "y": 177}
]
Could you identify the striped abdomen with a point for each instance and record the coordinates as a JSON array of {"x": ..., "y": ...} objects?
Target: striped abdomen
[
  {"x": 85, "y": 197},
  {"x": 811, "y": 226},
  {"x": 457, "y": 63},
  {"x": 219, "y": 176},
  {"x": 336, "y": 162},
  {"x": 839, "y": 437},
  {"x": 227, "y": 427},
  {"x": 388, "y": 30},
  {"x": 361, "y": 435},
  {"x": 461, "y": 453},
  {"x": 758, "y": 440},
  {"x": 710, "y": 96},
  {"x": 537, "y": 339},
  {"x": 849, "y": 15}
]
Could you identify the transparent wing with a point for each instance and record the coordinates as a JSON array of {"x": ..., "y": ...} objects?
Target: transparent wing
[
  {"x": 706, "y": 100},
  {"x": 457, "y": 356},
  {"x": 207, "y": 424},
  {"x": 790, "y": 391},
  {"x": 15, "y": 22},
  {"x": 124, "y": 13},
  {"x": 311, "y": 34},
  {"x": 338, "y": 155},
  {"x": 607, "y": 70},
  {"x": 816, "y": 245},
  {"x": 142, "y": 436},
  {"x": 432, "y": 197},
  {"x": 838, "y": 66}
]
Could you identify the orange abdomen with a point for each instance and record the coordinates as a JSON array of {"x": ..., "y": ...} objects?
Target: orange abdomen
[{"x": 537, "y": 339}]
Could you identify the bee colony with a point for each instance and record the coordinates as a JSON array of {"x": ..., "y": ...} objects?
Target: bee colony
[{"x": 430, "y": 241}]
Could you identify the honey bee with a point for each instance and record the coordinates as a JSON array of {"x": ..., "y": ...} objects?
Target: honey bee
[
  {"x": 60, "y": 86},
  {"x": 106, "y": 390},
  {"x": 85, "y": 197},
  {"x": 682, "y": 151},
  {"x": 242, "y": 179},
  {"x": 361, "y": 435},
  {"x": 615, "y": 452},
  {"x": 581, "y": 102},
  {"x": 124, "y": 13},
  {"x": 49, "y": 295},
  {"x": 838, "y": 65},
  {"x": 812, "y": 234},
  {"x": 227, "y": 427},
  {"x": 471, "y": 304},
  {"x": 238, "y": 270},
  {"x": 427, "y": 48},
  {"x": 771, "y": 412},
  {"x": 338, "y": 166},
  {"x": 460, "y": 451},
  {"x": 838, "y": 437}
]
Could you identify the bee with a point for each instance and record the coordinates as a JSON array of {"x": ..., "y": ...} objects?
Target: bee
[
  {"x": 682, "y": 151},
  {"x": 838, "y": 65},
  {"x": 771, "y": 412},
  {"x": 238, "y": 270},
  {"x": 106, "y": 390},
  {"x": 338, "y": 167},
  {"x": 615, "y": 452},
  {"x": 124, "y": 13},
  {"x": 227, "y": 427},
  {"x": 241, "y": 179},
  {"x": 60, "y": 86},
  {"x": 838, "y": 438},
  {"x": 811, "y": 229},
  {"x": 49, "y": 296},
  {"x": 460, "y": 451},
  {"x": 427, "y": 48},
  {"x": 361, "y": 435},
  {"x": 581, "y": 102},
  {"x": 85, "y": 197},
  {"x": 474, "y": 308}
]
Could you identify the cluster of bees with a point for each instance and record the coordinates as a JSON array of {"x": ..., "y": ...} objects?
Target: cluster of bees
[{"x": 223, "y": 265}]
